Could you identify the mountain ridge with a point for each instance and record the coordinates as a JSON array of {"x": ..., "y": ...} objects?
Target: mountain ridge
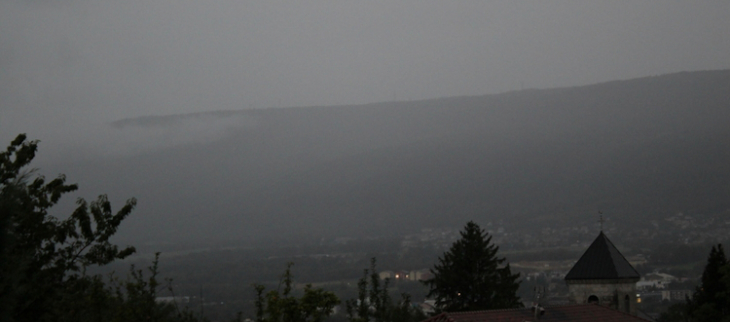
[
  {"x": 147, "y": 120},
  {"x": 636, "y": 148}
]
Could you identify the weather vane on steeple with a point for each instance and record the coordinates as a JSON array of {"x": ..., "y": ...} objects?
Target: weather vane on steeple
[{"x": 600, "y": 219}]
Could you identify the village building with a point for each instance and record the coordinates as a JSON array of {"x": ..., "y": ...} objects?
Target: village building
[
  {"x": 603, "y": 276},
  {"x": 677, "y": 295}
]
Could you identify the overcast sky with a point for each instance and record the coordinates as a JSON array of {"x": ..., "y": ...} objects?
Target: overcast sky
[{"x": 67, "y": 68}]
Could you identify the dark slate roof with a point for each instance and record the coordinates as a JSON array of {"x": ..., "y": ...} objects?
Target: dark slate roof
[
  {"x": 602, "y": 261},
  {"x": 575, "y": 312}
]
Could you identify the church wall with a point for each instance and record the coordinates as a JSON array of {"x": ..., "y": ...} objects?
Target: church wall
[{"x": 609, "y": 293}]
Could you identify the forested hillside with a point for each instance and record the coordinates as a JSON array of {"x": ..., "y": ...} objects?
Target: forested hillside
[{"x": 634, "y": 149}]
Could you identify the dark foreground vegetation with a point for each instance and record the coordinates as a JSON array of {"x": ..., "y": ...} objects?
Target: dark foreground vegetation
[{"x": 44, "y": 260}]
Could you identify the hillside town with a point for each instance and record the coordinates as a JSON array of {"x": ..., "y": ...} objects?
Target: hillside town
[{"x": 679, "y": 228}]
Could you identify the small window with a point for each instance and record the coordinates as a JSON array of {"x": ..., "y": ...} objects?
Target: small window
[{"x": 592, "y": 299}]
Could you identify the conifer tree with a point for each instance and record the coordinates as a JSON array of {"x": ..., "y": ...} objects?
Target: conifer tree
[
  {"x": 711, "y": 300},
  {"x": 470, "y": 276}
]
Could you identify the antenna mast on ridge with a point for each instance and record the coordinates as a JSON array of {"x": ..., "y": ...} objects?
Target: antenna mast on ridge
[{"x": 600, "y": 219}]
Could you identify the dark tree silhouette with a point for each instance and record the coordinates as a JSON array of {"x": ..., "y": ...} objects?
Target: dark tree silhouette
[
  {"x": 469, "y": 276},
  {"x": 711, "y": 300},
  {"x": 43, "y": 259},
  {"x": 374, "y": 303},
  {"x": 314, "y": 305},
  {"x": 43, "y": 255}
]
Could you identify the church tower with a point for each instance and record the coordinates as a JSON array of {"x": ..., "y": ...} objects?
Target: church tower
[{"x": 603, "y": 276}]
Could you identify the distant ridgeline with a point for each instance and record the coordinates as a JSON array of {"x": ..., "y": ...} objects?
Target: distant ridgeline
[{"x": 637, "y": 149}]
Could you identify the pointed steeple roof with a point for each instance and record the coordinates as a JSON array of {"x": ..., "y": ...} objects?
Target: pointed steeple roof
[{"x": 602, "y": 261}]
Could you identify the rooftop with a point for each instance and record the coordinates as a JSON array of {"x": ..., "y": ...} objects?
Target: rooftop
[{"x": 602, "y": 261}]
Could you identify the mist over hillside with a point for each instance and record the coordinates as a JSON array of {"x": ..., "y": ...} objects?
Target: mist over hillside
[{"x": 635, "y": 150}]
